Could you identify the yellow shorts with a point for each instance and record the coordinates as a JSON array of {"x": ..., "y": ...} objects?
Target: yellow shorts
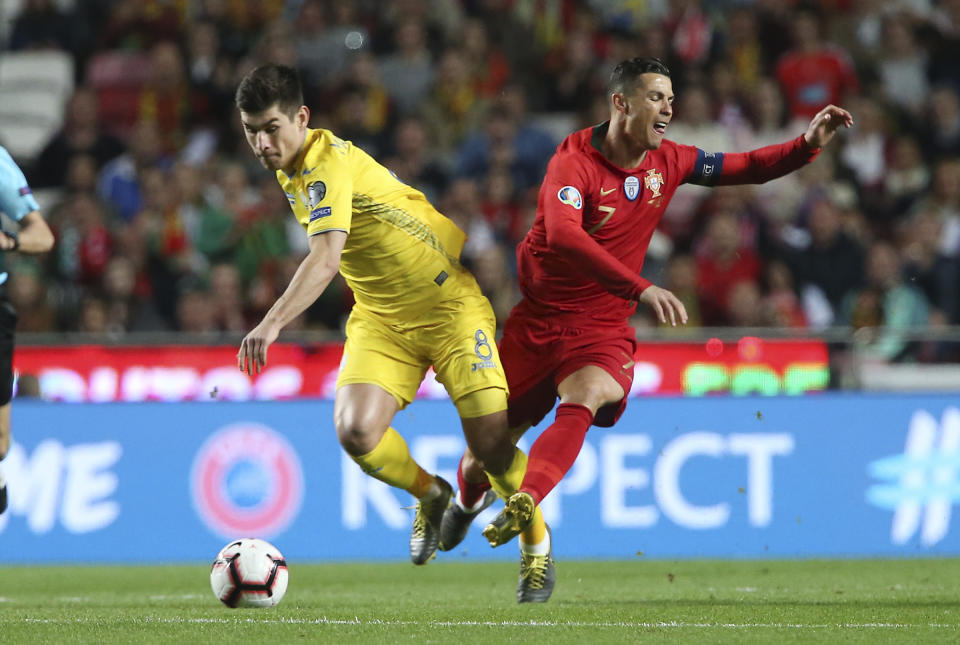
[{"x": 456, "y": 337}]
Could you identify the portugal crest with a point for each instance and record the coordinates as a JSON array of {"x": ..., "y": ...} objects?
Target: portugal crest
[{"x": 653, "y": 181}]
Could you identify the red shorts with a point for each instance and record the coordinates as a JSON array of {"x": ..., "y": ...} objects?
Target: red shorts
[{"x": 538, "y": 353}]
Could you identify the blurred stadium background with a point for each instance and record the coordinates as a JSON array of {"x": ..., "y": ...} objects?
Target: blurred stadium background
[{"x": 809, "y": 408}]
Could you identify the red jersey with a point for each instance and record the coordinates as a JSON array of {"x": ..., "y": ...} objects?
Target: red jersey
[
  {"x": 814, "y": 80},
  {"x": 594, "y": 221}
]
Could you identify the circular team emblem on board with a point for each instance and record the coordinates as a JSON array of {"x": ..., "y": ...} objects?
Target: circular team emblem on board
[
  {"x": 246, "y": 480},
  {"x": 570, "y": 196},
  {"x": 631, "y": 187}
]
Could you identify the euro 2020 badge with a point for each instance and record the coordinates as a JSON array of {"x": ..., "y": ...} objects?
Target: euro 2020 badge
[{"x": 247, "y": 480}]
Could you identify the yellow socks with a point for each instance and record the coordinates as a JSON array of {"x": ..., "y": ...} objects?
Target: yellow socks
[
  {"x": 391, "y": 462},
  {"x": 509, "y": 483}
]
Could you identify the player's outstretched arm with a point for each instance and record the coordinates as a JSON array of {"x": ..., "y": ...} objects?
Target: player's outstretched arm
[
  {"x": 763, "y": 164},
  {"x": 665, "y": 304},
  {"x": 312, "y": 277},
  {"x": 825, "y": 124}
]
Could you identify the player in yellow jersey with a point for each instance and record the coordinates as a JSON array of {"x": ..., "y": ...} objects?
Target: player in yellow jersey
[{"x": 416, "y": 306}]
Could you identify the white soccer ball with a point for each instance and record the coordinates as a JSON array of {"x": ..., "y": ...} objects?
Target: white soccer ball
[{"x": 249, "y": 572}]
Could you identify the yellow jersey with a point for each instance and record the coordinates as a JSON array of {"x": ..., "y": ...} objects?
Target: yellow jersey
[{"x": 401, "y": 254}]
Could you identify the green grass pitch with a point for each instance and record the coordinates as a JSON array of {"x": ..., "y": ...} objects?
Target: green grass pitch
[{"x": 639, "y": 601}]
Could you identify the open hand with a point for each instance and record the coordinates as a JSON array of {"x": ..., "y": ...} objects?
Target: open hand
[
  {"x": 252, "y": 357},
  {"x": 665, "y": 304},
  {"x": 825, "y": 124}
]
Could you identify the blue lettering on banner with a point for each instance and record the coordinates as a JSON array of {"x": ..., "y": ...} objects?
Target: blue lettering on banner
[
  {"x": 319, "y": 213},
  {"x": 746, "y": 477}
]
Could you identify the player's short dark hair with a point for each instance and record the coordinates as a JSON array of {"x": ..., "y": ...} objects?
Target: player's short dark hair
[
  {"x": 270, "y": 85},
  {"x": 624, "y": 77}
]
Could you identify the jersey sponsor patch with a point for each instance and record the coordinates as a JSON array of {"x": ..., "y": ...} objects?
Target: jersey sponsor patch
[
  {"x": 316, "y": 191},
  {"x": 570, "y": 196},
  {"x": 319, "y": 213},
  {"x": 631, "y": 187}
]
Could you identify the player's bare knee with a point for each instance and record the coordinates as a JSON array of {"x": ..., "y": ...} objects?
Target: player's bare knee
[{"x": 357, "y": 435}]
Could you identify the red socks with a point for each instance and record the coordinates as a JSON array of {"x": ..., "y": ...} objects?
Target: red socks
[
  {"x": 555, "y": 450},
  {"x": 470, "y": 493}
]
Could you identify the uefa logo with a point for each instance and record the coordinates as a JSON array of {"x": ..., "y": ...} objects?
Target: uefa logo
[{"x": 247, "y": 480}]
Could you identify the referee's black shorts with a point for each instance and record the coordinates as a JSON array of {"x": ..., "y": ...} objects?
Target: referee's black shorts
[{"x": 8, "y": 324}]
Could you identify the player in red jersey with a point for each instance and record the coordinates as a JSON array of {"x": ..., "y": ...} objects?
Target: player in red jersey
[{"x": 604, "y": 193}]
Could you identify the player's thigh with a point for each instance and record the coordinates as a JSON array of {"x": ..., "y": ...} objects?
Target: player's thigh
[
  {"x": 528, "y": 350},
  {"x": 613, "y": 352},
  {"x": 462, "y": 345},
  {"x": 378, "y": 355}
]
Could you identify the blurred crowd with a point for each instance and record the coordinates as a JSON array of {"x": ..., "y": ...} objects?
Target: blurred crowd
[{"x": 165, "y": 221}]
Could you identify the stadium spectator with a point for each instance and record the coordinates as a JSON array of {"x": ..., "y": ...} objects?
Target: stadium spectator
[
  {"x": 119, "y": 184},
  {"x": 742, "y": 48},
  {"x": 865, "y": 153},
  {"x": 927, "y": 268},
  {"x": 781, "y": 306},
  {"x": 130, "y": 306},
  {"x": 681, "y": 280},
  {"x": 944, "y": 201},
  {"x": 725, "y": 261},
  {"x": 80, "y": 135},
  {"x": 507, "y": 140},
  {"x": 940, "y": 130},
  {"x": 571, "y": 81},
  {"x": 902, "y": 67},
  {"x": 453, "y": 106},
  {"x": 569, "y": 338},
  {"x": 415, "y": 161},
  {"x": 326, "y": 36},
  {"x": 195, "y": 312},
  {"x": 41, "y": 25},
  {"x": 85, "y": 242},
  {"x": 827, "y": 267},
  {"x": 92, "y": 318},
  {"x": 226, "y": 298},
  {"x": 885, "y": 308},
  {"x": 813, "y": 73},
  {"x": 907, "y": 176},
  {"x": 489, "y": 68},
  {"x": 408, "y": 73}
]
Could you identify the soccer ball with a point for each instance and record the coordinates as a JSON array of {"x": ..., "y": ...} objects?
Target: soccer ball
[{"x": 249, "y": 572}]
